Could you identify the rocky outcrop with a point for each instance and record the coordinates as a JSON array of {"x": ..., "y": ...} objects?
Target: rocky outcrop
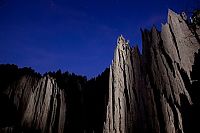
[
  {"x": 120, "y": 110},
  {"x": 40, "y": 105},
  {"x": 151, "y": 92},
  {"x": 54, "y": 103}
]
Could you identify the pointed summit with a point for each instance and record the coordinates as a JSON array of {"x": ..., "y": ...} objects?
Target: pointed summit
[
  {"x": 121, "y": 40},
  {"x": 171, "y": 15},
  {"x": 171, "y": 12},
  {"x": 122, "y": 43}
]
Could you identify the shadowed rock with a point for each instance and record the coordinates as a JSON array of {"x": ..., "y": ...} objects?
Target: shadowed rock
[
  {"x": 150, "y": 92},
  {"x": 39, "y": 103},
  {"x": 153, "y": 92}
]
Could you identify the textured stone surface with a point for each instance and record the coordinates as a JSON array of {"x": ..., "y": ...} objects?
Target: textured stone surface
[
  {"x": 150, "y": 92},
  {"x": 40, "y": 105},
  {"x": 120, "y": 110},
  {"x": 153, "y": 92}
]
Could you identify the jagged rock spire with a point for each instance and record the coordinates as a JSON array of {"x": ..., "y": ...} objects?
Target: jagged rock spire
[
  {"x": 121, "y": 40},
  {"x": 122, "y": 43},
  {"x": 150, "y": 92},
  {"x": 156, "y": 92}
]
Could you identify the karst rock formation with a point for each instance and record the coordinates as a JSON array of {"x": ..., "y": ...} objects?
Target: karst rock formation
[
  {"x": 156, "y": 91},
  {"x": 40, "y": 105},
  {"x": 152, "y": 92}
]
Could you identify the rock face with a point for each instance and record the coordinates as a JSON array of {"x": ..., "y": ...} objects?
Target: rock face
[
  {"x": 54, "y": 103},
  {"x": 39, "y": 103},
  {"x": 152, "y": 92}
]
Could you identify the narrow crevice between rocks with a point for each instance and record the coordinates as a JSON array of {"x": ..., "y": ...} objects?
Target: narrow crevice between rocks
[{"x": 175, "y": 42}]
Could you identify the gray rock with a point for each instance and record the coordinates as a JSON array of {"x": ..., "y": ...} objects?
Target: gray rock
[
  {"x": 40, "y": 104},
  {"x": 146, "y": 91},
  {"x": 152, "y": 92}
]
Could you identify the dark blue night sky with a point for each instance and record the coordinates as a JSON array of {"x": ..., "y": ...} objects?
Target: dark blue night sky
[{"x": 75, "y": 35}]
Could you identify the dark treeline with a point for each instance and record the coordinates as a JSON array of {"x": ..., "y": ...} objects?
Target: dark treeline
[
  {"x": 11, "y": 73},
  {"x": 85, "y": 99}
]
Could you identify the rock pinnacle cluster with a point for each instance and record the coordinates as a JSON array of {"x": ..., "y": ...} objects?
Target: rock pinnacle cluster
[
  {"x": 156, "y": 91},
  {"x": 152, "y": 91}
]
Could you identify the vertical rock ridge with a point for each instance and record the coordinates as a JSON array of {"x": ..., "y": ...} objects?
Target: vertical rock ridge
[
  {"x": 156, "y": 82},
  {"x": 40, "y": 104},
  {"x": 186, "y": 42},
  {"x": 155, "y": 91},
  {"x": 122, "y": 94}
]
